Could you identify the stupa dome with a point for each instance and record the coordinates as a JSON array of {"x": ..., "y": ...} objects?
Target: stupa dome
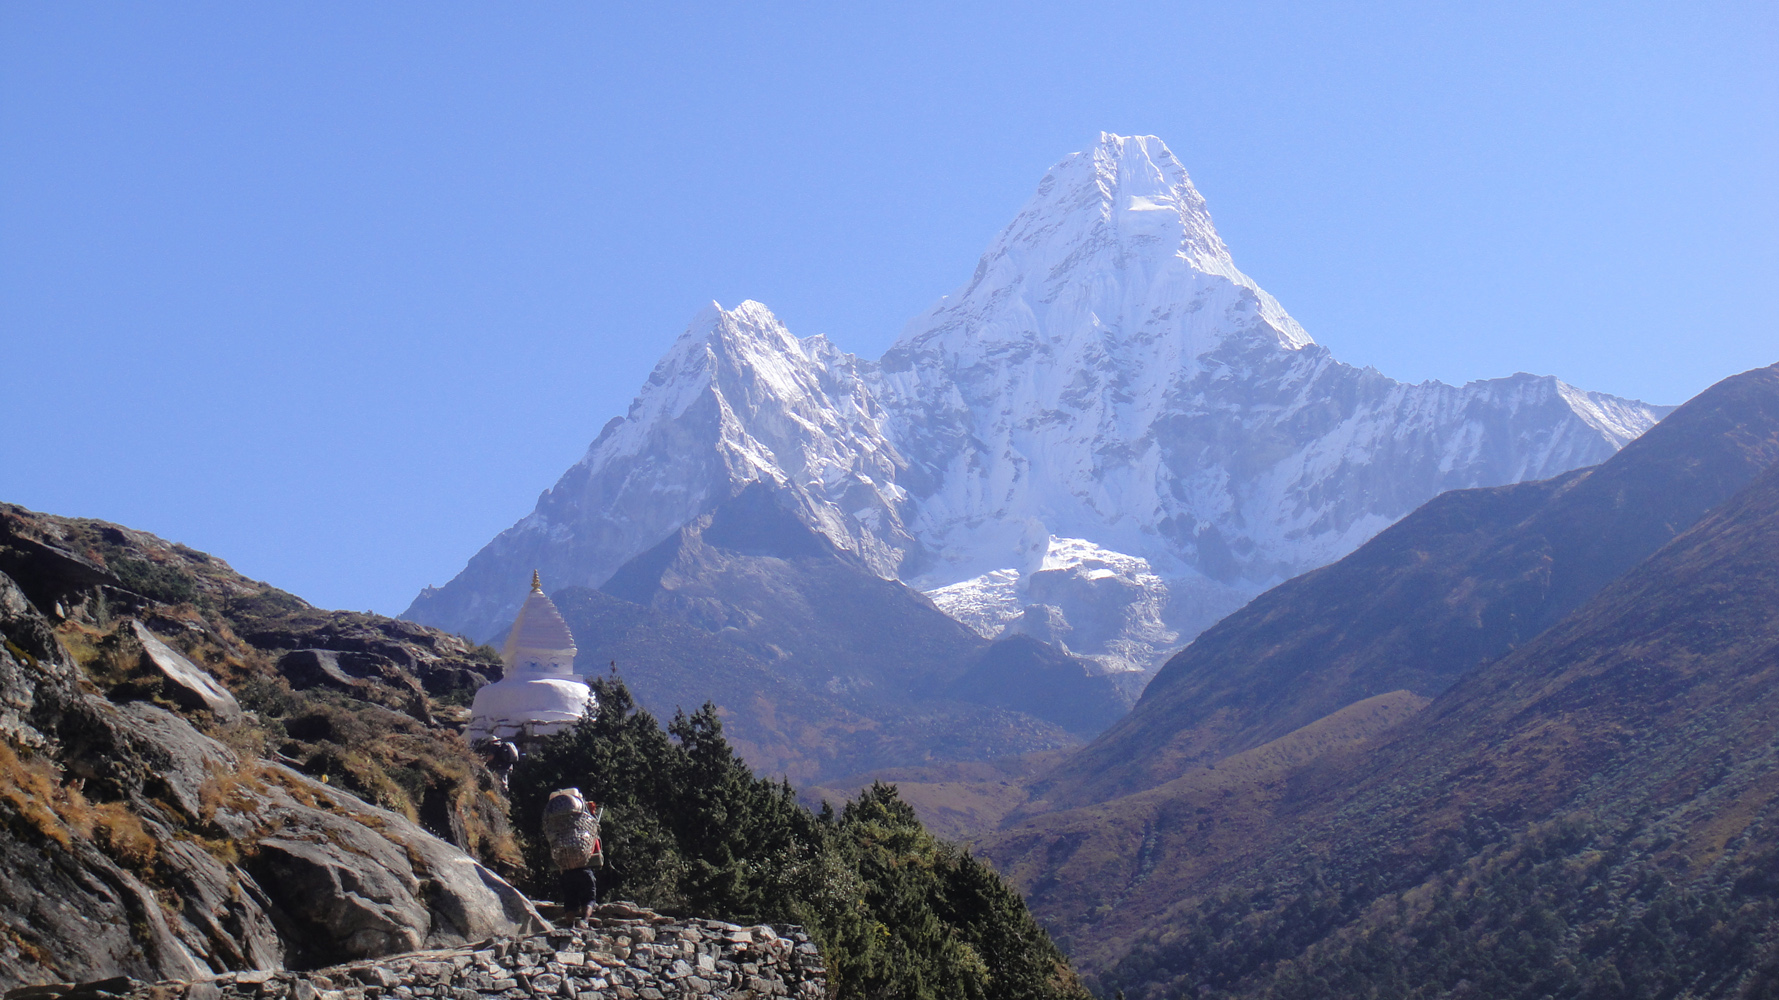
[
  {"x": 540, "y": 693},
  {"x": 540, "y": 641}
]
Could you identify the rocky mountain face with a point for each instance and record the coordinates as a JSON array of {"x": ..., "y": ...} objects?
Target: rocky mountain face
[
  {"x": 1108, "y": 438},
  {"x": 1580, "y": 810},
  {"x": 737, "y": 400},
  {"x": 177, "y": 801},
  {"x": 785, "y": 726}
]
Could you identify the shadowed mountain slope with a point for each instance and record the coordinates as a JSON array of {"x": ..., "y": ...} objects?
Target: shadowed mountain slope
[
  {"x": 1596, "y": 815},
  {"x": 822, "y": 667},
  {"x": 1460, "y": 582},
  {"x": 755, "y": 573},
  {"x": 780, "y": 727}
]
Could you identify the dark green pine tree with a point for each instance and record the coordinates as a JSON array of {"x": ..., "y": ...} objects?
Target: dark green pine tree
[{"x": 619, "y": 758}]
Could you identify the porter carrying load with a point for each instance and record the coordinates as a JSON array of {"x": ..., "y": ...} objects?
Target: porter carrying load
[{"x": 571, "y": 828}]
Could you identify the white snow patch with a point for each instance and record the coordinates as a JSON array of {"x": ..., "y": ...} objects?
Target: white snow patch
[
  {"x": 1103, "y": 605},
  {"x": 986, "y": 603}
]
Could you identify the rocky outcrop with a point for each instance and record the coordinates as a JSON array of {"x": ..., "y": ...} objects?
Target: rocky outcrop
[
  {"x": 76, "y": 568},
  {"x": 360, "y": 652},
  {"x": 374, "y": 702},
  {"x": 354, "y": 881},
  {"x": 307, "y": 668},
  {"x": 132, "y": 843},
  {"x": 623, "y": 953}
]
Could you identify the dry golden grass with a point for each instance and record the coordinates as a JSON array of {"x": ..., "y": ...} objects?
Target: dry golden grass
[
  {"x": 30, "y": 952},
  {"x": 23, "y": 657},
  {"x": 61, "y": 813},
  {"x": 32, "y": 787},
  {"x": 240, "y": 790},
  {"x": 296, "y": 788},
  {"x": 120, "y": 833}
]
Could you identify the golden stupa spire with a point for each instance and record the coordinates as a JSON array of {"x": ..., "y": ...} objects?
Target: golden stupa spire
[{"x": 536, "y": 584}]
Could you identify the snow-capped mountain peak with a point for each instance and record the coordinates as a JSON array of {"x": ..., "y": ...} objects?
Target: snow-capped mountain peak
[
  {"x": 1107, "y": 378},
  {"x": 737, "y": 399},
  {"x": 746, "y": 352},
  {"x": 1136, "y": 188},
  {"x": 1082, "y": 328},
  {"x": 1115, "y": 245}
]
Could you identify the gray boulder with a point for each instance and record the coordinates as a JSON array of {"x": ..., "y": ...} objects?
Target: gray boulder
[
  {"x": 307, "y": 668},
  {"x": 463, "y": 900},
  {"x": 356, "y": 881},
  {"x": 187, "y": 683},
  {"x": 356, "y": 901}
]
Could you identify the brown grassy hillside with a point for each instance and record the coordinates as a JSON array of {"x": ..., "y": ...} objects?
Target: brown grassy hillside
[{"x": 1595, "y": 814}]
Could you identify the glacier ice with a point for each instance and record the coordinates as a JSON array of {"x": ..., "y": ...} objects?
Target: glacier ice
[{"x": 1104, "y": 606}]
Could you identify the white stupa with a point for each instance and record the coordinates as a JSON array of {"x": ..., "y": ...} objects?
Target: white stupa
[{"x": 540, "y": 693}]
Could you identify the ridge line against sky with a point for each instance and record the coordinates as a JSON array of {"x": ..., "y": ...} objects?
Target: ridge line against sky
[{"x": 334, "y": 292}]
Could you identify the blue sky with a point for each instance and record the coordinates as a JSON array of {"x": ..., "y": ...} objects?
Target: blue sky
[{"x": 334, "y": 290}]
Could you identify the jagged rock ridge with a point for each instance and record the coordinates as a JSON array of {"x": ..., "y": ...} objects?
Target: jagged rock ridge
[{"x": 1107, "y": 375}]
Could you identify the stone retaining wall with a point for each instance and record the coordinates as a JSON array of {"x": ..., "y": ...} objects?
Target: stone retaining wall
[{"x": 623, "y": 953}]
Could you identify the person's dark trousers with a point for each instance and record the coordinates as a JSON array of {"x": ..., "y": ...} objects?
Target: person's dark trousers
[{"x": 580, "y": 891}]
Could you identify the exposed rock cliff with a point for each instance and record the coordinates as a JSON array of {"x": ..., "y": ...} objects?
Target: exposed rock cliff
[{"x": 149, "y": 828}]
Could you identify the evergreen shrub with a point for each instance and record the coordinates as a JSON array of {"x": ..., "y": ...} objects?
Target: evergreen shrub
[{"x": 689, "y": 829}]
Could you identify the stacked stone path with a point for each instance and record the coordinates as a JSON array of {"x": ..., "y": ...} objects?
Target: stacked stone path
[{"x": 622, "y": 953}]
